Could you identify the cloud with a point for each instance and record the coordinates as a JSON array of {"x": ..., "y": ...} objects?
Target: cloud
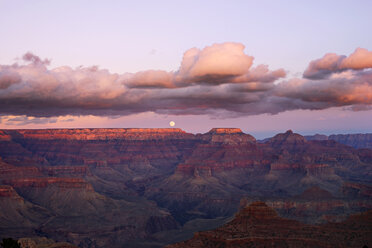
[
  {"x": 349, "y": 88},
  {"x": 214, "y": 63},
  {"x": 219, "y": 80},
  {"x": 8, "y": 77},
  {"x": 37, "y": 91},
  {"x": 260, "y": 74},
  {"x": 333, "y": 63},
  {"x": 30, "y": 57},
  {"x": 334, "y": 80},
  {"x": 360, "y": 59},
  {"x": 150, "y": 79},
  {"x": 25, "y": 120}
]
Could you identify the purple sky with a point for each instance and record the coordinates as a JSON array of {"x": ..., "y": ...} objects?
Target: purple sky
[{"x": 201, "y": 64}]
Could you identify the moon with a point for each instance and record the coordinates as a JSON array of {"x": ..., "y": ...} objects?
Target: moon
[{"x": 172, "y": 123}]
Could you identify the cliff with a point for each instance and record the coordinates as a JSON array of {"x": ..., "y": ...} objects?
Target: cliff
[
  {"x": 7, "y": 191},
  {"x": 97, "y": 134},
  {"x": 227, "y": 136}
]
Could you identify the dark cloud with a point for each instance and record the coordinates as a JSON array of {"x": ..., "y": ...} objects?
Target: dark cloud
[{"x": 30, "y": 57}]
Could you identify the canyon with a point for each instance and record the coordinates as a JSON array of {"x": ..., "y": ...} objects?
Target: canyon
[{"x": 152, "y": 187}]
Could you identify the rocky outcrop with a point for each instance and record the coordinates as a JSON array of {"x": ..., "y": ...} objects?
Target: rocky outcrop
[
  {"x": 258, "y": 225},
  {"x": 4, "y": 136},
  {"x": 287, "y": 140},
  {"x": 7, "y": 191},
  {"x": 233, "y": 136}
]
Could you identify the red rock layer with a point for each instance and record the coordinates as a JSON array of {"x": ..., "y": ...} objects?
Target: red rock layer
[
  {"x": 101, "y": 133},
  {"x": 8, "y": 192},
  {"x": 63, "y": 170},
  {"x": 9, "y": 171},
  {"x": 77, "y": 183},
  {"x": 96, "y": 147},
  {"x": 226, "y": 131},
  {"x": 4, "y": 136},
  {"x": 227, "y": 136}
]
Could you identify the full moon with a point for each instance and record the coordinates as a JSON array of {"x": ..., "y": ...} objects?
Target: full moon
[{"x": 172, "y": 123}]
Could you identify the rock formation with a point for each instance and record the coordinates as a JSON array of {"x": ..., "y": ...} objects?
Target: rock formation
[{"x": 258, "y": 225}]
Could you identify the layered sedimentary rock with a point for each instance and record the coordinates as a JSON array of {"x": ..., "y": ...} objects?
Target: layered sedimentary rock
[
  {"x": 98, "y": 134},
  {"x": 74, "y": 183},
  {"x": 95, "y": 147},
  {"x": 217, "y": 175},
  {"x": 258, "y": 225},
  {"x": 139, "y": 182},
  {"x": 8, "y": 192}
]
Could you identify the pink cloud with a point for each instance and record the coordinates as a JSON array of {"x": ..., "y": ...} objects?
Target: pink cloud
[
  {"x": 216, "y": 61},
  {"x": 333, "y": 63},
  {"x": 213, "y": 65},
  {"x": 150, "y": 79},
  {"x": 360, "y": 59}
]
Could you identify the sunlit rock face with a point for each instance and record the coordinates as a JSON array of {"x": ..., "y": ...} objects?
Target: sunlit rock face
[
  {"x": 99, "y": 134},
  {"x": 137, "y": 185}
]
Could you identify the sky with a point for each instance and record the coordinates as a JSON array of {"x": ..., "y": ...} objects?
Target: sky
[{"x": 262, "y": 66}]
